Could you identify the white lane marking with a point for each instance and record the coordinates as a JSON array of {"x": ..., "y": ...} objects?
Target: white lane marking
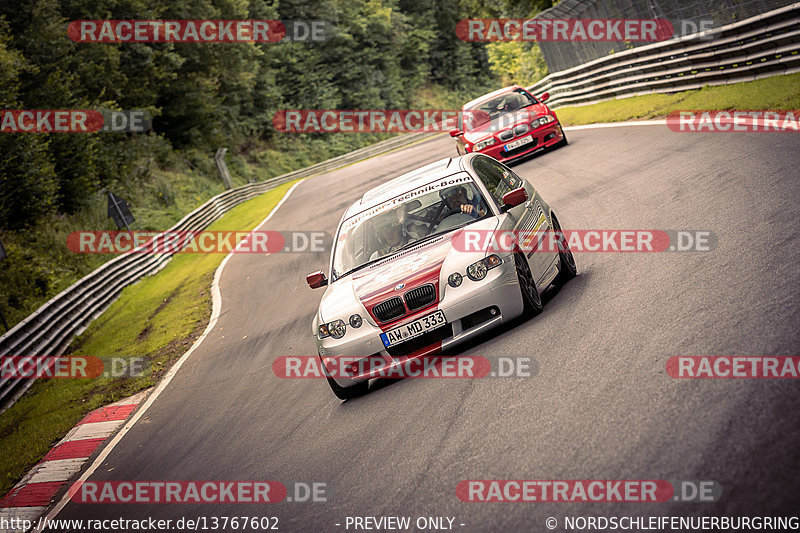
[
  {"x": 216, "y": 307},
  {"x": 94, "y": 430},
  {"x": 57, "y": 470},
  {"x": 660, "y": 122}
]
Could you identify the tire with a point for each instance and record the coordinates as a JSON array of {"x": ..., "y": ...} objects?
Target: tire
[
  {"x": 563, "y": 141},
  {"x": 531, "y": 298},
  {"x": 567, "y": 269},
  {"x": 348, "y": 393}
]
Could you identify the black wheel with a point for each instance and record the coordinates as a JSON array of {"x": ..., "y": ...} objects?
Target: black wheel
[
  {"x": 566, "y": 262},
  {"x": 347, "y": 393},
  {"x": 530, "y": 294},
  {"x": 563, "y": 141}
]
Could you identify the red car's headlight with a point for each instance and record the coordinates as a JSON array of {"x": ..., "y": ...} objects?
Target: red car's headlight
[
  {"x": 541, "y": 121},
  {"x": 484, "y": 143}
]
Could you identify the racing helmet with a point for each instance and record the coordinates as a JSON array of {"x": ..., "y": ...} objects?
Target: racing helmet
[{"x": 445, "y": 194}]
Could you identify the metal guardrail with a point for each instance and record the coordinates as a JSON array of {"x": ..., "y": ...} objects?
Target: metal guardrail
[
  {"x": 48, "y": 331},
  {"x": 754, "y": 48}
]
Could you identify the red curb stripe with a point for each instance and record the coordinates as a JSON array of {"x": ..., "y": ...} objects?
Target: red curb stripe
[
  {"x": 106, "y": 414},
  {"x": 41, "y": 494},
  {"x": 73, "y": 449},
  {"x": 32, "y": 495}
]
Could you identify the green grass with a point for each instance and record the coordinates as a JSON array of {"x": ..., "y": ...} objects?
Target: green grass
[
  {"x": 776, "y": 92},
  {"x": 158, "y": 319}
]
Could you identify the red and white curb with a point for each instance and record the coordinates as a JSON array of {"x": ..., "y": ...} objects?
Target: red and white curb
[{"x": 29, "y": 498}]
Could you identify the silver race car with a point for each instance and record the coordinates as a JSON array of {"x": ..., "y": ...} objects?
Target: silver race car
[{"x": 416, "y": 269}]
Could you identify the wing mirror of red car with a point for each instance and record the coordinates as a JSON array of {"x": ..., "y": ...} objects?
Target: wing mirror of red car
[
  {"x": 316, "y": 279},
  {"x": 544, "y": 97},
  {"x": 455, "y": 133},
  {"x": 514, "y": 198}
]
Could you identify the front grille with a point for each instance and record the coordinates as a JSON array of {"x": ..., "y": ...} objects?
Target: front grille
[
  {"x": 505, "y": 135},
  {"x": 420, "y": 297},
  {"x": 423, "y": 341},
  {"x": 391, "y": 308},
  {"x": 519, "y": 130}
]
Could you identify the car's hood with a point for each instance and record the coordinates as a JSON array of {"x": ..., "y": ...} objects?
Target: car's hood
[
  {"x": 504, "y": 122},
  {"x": 392, "y": 277}
]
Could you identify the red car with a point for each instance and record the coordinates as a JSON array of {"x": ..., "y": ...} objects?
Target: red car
[{"x": 508, "y": 124}]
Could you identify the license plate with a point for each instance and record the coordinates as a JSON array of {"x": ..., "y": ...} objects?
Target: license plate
[
  {"x": 413, "y": 329},
  {"x": 519, "y": 142}
]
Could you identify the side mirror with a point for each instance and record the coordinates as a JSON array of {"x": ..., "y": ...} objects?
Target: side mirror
[
  {"x": 514, "y": 198},
  {"x": 455, "y": 133},
  {"x": 544, "y": 97},
  {"x": 316, "y": 279}
]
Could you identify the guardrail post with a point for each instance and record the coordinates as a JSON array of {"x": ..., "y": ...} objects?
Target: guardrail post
[{"x": 219, "y": 159}]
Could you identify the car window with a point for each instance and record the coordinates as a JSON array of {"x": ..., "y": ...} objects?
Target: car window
[
  {"x": 513, "y": 181},
  {"x": 400, "y": 221},
  {"x": 488, "y": 109},
  {"x": 498, "y": 179}
]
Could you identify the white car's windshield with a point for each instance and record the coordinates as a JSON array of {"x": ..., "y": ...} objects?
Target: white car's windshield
[{"x": 405, "y": 220}]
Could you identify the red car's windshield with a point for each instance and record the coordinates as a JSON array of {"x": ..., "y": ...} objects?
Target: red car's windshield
[{"x": 490, "y": 108}]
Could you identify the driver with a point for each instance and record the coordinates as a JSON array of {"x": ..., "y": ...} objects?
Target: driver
[
  {"x": 456, "y": 200},
  {"x": 392, "y": 235},
  {"x": 513, "y": 102}
]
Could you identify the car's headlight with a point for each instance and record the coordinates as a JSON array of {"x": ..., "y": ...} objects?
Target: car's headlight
[
  {"x": 356, "y": 320},
  {"x": 483, "y": 144},
  {"x": 455, "y": 279},
  {"x": 478, "y": 270},
  {"x": 541, "y": 121},
  {"x": 335, "y": 329}
]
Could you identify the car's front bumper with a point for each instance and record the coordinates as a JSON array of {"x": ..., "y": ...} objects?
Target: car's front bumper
[
  {"x": 470, "y": 309},
  {"x": 545, "y": 137}
]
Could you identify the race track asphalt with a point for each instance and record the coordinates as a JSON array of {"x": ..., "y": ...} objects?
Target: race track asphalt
[{"x": 600, "y": 405}]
